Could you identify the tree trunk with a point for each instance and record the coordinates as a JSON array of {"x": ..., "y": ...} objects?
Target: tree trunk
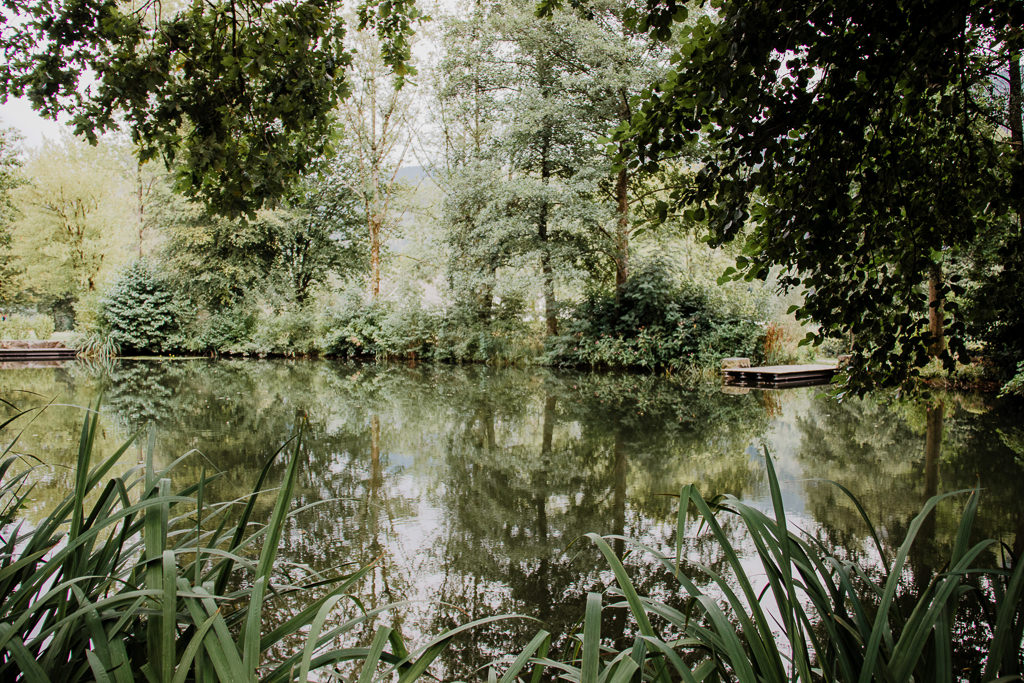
[
  {"x": 935, "y": 312},
  {"x": 550, "y": 305},
  {"x": 1016, "y": 107},
  {"x": 621, "y": 230},
  {"x": 375, "y": 230},
  {"x": 546, "y": 78},
  {"x": 141, "y": 205}
]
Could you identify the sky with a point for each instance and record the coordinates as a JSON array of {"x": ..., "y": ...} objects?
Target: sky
[{"x": 17, "y": 114}]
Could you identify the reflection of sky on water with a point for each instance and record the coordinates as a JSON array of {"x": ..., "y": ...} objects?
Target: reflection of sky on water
[{"x": 476, "y": 480}]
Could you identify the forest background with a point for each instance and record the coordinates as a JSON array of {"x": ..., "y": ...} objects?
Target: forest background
[{"x": 487, "y": 211}]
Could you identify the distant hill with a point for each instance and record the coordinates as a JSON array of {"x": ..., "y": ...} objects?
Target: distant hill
[{"x": 411, "y": 175}]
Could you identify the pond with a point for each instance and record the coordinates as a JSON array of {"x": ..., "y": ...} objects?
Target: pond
[{"x": 469, "y": 486}]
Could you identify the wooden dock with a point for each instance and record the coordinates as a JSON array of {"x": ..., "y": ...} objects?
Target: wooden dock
[
  {"x": 32, "y": 351},
  {"x": 775, "y": 376}
]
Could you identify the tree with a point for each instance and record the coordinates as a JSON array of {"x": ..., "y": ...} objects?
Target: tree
[
  {"x": 858, "y": 146},
  {"x": 10, "y": 178},
  {"x": 318, "y": 233},
  {"x": 238, "y": 96},
  {"x": 217, "y": 262},
  {"x": 74, "y": 221},
  {"x": 522, "y": 171},
  {"x": 213, "y": 261},
  {"x": 139, "y": 310},
  {"x": 378, "y": 131}
]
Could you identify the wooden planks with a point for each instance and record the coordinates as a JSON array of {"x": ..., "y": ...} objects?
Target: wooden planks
[
  {"x": 32, "y": 350},
  {"x": 780, "y": 375}
]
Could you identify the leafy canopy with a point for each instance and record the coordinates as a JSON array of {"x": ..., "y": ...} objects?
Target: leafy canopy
[
  {"x": 857, "y": 146},
  {"x": 237, "y": 96}
]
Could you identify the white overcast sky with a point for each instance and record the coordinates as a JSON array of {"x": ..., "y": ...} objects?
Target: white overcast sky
[{"x": 19, "y": 115}]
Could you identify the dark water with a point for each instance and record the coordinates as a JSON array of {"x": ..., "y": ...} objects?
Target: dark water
[{"x": 469, "y": 487}]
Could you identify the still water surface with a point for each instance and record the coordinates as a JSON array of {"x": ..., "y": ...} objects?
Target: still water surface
[{"x": 469, "y": 486}]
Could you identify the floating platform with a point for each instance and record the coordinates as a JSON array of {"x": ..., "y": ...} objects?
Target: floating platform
[
  {"x": 32, "y": 351},
  {"x": 780, "y": 375}
]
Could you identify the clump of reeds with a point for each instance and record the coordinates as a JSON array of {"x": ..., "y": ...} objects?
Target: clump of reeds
[
  {"x": 818, "y": 617},
  {"x": 127, "y": 579}
]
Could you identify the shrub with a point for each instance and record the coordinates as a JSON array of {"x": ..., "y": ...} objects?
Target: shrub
[
  {"x": 139, "y": 310},
  {"x": 1015, "y": 385},
  {"x": 228, "y": 331},
  {"x": 19, "y": 326},
  {"x": 288, "y": 333},
  {"x": 653, "y": 323},
  {"x": 503, "y": 339},
  {"x": 381, "y": 329}
]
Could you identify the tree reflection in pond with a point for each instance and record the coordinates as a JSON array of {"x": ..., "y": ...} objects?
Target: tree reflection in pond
[{"x": 467, "y": 487}]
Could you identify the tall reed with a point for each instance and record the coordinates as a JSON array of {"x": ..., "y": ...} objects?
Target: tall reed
[
  {"x": 827, "y": 619},
  {"x": 127, "y": 579}
]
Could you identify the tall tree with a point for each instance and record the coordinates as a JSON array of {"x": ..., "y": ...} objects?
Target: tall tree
[
  {"x": 319, "y": 233},
  {"x": 533, "y": 154},
  {"x": 10, "y": 178},
  {"x": 855, "y": 149},
  {"x": 377, "y": 122},
  {"x": 74, "y": 222},
  {"x": 281, "y": 255},
  {"x": 612, "y": 65}
]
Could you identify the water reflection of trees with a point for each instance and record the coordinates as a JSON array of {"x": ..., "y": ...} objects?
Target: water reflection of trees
[
  {"x": 595, "y": 454},
  {"x": 894, "y": 456},
  {"x": 877, "y": 448},
  {"x": 508, "y": 467}
]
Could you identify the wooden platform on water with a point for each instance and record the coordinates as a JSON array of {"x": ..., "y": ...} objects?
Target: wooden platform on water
[
  {"x": 780, "y": 375},
  {"x": 32, "y": 351}
]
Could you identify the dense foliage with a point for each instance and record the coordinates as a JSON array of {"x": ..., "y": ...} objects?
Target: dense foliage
[
  {"x": 236, "y": 96},
  {"x": 854, "y": 175},
  {"x": 10, "y": 178},
  {"x": 19, "y": 326},
  {"x": 139, "y": 311},
  {"x": 857, "y": 146},
  {"x": 653, "y": 322}
]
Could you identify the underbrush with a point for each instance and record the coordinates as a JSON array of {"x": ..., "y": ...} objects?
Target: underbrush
[{"x": 655, "y": 323}]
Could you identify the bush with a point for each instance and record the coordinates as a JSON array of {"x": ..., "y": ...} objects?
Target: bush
[
  {"x": 502, "y": 339},
  {"x": 653, "y": 323},
  {"x": 18, "y": 326},
  {"x": 381, "y": 329},
  {"x": 1015, "y": 385},
  {"x": 227, "y": 331},
  {"x": 289, "y": 333},
  {"x": 139, "y": 310}
]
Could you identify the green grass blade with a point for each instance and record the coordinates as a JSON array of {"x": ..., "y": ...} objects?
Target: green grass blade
[
  {"x": 168, "y": 616},
  {"x": 313, "y": 636},
  {"x": 225, "y": 568},
  {"x": 872, "y": 653},
  {"x": 523, "y": 658},
  {"x": 192, "y": 649},
  {"x": 250, "y": 635},
  {"x": 591, "y": 639},
  {"x": 625, "y": 584},
  {"x": 369, "y": 668},
  {"x": 1004, "y": 640}
]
